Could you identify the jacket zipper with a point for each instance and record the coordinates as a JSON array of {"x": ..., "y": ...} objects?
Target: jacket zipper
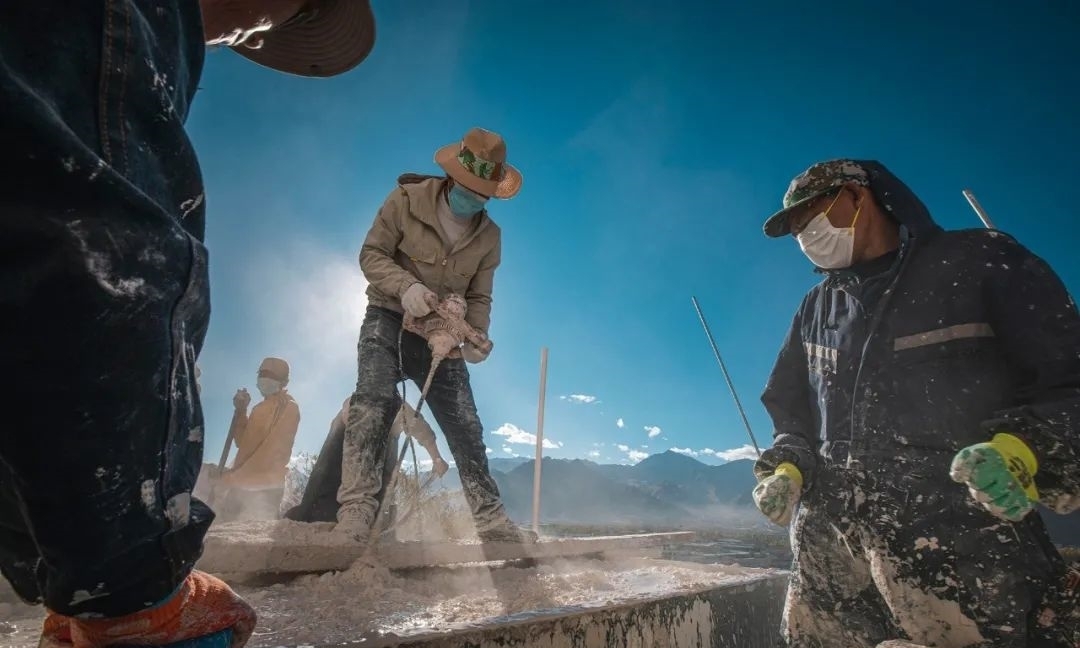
[{"x": 875, "y": 321}]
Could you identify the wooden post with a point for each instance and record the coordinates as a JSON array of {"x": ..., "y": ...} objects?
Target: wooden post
[{"x": 539, "y": 441}]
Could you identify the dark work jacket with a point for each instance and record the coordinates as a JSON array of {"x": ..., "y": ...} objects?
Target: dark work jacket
[{"x": 967, "y": 333}]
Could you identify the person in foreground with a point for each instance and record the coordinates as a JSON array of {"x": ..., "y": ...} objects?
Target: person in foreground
[
  {"x": 926, "y": 399},
  {"x": 104, "y": 303}
]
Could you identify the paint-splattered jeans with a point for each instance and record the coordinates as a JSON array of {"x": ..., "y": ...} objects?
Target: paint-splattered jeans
[
  {"x": 103, "y": 302},
  {"x": 912, "y": 556},
  {"x": 376, "y": 402},
  {"x": 319, "y": 501}
]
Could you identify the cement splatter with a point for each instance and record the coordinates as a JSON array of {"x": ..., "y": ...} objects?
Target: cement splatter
[{"x": 368, "y": 602}]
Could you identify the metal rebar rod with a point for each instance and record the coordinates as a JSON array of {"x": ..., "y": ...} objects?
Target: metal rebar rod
[
  {"x": 978, "y": 209},
  {"x": 727, "y": 376}
]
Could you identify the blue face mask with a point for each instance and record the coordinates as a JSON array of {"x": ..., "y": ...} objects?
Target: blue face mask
[{"x": 464, "y": 203}]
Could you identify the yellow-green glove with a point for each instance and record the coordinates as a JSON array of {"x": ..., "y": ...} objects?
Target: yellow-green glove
[
  {"x": 777, "y": 494},
  {"x": 1000, "y": 475}
]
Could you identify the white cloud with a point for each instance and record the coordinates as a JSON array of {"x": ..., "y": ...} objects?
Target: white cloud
[
  {"x": 299, "y": 300},
  {"x": 425, "y": 464},
  {"x": 653, "y": 431},
  {"x": 594, "y": 453},
  {"x": 583, "y": 399},
  {"x": 620, "y": 423},
  {"x": 314, "y": 315},
  {"x": 516, "y": 435},
  {"x": 508, "y": 450},
  {"x": 488, "y": 451},
  {"x": 686, "y": 451},
  {"x": 745, "y": 451},
  {"x": 632, "y": 455}
]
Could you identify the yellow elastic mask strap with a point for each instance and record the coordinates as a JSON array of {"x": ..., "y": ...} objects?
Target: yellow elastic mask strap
[
  {"x": 858, "y": 210},
  {"x": 1021, "y": 461},
  {"x": 791, "y": 471},
  {"x": 835, "y": 198}
]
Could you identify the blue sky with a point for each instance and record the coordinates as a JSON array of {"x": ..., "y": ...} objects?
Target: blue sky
[{"x": 653, "y": 141}]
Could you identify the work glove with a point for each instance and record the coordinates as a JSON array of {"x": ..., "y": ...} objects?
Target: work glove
[
  {"x": 777, "y": 494},
  {"x": 203, "y": 613},
  {"x": 417, "y": 300},
  {"x": 242, "y": 399},
  {"x": 473, "y": 354},
  {"x": 1000, "y": 475}
]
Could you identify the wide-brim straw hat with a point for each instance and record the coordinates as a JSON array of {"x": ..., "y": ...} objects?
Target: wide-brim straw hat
[{"x": 478, "y": 162}]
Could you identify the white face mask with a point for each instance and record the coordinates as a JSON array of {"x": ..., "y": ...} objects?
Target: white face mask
[
  {"x": 268, "y": 386},
  {"x": 826, "y": 245}
]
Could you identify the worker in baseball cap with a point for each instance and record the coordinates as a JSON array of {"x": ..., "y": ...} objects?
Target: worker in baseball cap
[
  {"x": 106, "y": 302},
  {"x": 924, "y": 402}
]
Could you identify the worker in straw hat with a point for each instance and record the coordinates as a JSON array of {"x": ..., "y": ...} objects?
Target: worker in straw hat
[
  {"x": 106, "y": 302},
  {"x": 433, "y": 236}
]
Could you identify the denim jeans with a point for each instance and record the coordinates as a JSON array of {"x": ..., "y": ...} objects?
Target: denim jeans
[
  {"x": 104, "y": 302},
  {"x": 376, "y": 402}
]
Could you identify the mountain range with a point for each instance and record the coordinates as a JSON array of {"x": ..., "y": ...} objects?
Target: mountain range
[{"x": 665, "y": 490}]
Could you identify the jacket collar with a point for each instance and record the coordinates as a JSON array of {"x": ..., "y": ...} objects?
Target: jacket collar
[{"x": 422, "y": 200}]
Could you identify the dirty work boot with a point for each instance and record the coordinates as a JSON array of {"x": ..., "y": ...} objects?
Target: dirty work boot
[
  {"x": 354, "y": 523},
  {"x": 506, "y": 531}
]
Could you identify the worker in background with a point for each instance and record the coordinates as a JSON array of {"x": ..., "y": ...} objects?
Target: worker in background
[{"x": 253, "y": 487}]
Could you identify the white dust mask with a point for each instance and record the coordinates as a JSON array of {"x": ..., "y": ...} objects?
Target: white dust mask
[
  {"x": 827, "y": 246},
  {"x": 268, "y": 386}
]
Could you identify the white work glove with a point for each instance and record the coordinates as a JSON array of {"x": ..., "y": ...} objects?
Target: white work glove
[
  {"x": 242, "y": 399},
  {"x": 777, "y": 494},
  {"x": 474, "y": 355},
  {"x": 417, "y": 299}
]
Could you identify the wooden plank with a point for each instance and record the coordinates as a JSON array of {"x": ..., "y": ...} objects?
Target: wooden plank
[{"x": 283, "y": 546}]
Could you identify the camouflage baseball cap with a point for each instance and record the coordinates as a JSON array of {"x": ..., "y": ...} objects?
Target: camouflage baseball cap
[{"x": 818, "y": 179}]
